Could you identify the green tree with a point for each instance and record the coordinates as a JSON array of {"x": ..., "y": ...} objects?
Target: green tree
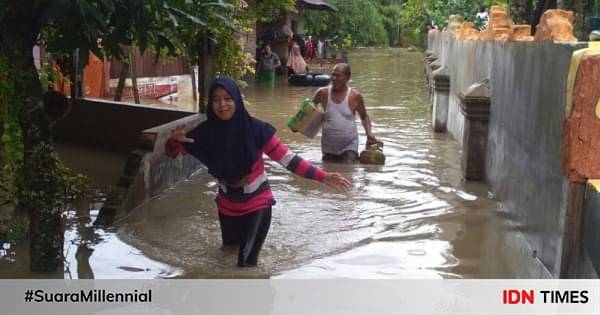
[
  {"x": 350, "y": 15},
  {"x": 215, "y": 47},
  {"x": 64, "y": 26},
  {"x": 267, "y": 10},
  {"x": 395, "y": 22},
  {"x": 391, "y": 13}
]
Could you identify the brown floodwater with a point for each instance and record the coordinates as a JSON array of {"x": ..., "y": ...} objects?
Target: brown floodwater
[{"x": 414, "y": 217}]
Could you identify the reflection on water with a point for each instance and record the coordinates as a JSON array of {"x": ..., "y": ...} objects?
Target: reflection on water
[
  {"x": 412, "y": 217},
  {"x": 92, "y": 253},
  {"x": 89, "y": 252}
]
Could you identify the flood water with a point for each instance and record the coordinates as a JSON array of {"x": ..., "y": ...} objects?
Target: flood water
[{"x": 414, "y": 217}]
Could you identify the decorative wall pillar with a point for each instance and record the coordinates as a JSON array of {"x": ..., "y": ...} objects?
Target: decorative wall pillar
[
  {"x": 475, "y": 106},
  {"x": 429, "y": 59},
  {"x": 441, "y": 98},
  {"x": 434, "y": 65}
]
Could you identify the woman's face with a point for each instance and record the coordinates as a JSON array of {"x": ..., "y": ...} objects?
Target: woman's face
[{"x": 222, "y": 104}]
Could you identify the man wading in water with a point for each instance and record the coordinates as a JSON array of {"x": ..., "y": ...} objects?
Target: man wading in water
[{"x": 339, "y": 141}]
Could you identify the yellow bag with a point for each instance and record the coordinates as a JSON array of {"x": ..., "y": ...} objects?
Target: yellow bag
[{"x": 308, "y": 120}]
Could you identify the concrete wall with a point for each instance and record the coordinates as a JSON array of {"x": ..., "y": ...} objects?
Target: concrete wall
[
  {"x": 523, "y": 165},
  {"x": 111, "y": 125},
  {"x": 468, "y": 62}
]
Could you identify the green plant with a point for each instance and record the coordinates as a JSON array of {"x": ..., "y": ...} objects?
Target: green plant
[
  {"x": 8, "y": 192},
  {"x": 11, "y": 151},
  {"x": 47, "y": 76},
  {"x": 347, "y": 41},
  {"x": 231, "y": 58},
  {"x": 16, "y": 228},
  {"x": 72, "y": 185}
]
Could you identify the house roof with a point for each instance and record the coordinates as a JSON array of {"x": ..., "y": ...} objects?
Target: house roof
[{"x": 317, "y": 5}]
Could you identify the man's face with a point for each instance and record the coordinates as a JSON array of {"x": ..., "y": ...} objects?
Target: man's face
[{"x": 338, "y": 77}]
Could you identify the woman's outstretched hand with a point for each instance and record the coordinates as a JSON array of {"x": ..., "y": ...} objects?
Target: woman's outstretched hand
[
  {"x": 178, "y": 133},
  {"x": 337, "y": 182}
]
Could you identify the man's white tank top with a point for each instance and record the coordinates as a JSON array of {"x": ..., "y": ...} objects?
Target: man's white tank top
[{"x": 339, "y": 127}]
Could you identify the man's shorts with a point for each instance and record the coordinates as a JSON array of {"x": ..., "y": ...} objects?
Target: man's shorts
[{"x": 348, "y": 156}]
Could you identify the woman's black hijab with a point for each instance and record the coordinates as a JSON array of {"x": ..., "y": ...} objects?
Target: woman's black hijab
[{"x": 229, "y": 148}]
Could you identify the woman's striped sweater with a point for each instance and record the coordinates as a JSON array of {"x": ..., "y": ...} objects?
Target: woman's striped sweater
[{"x": 256, "y": 193}]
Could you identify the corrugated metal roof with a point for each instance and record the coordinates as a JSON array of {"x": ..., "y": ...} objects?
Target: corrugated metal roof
[{"x": 317, "y": 5}]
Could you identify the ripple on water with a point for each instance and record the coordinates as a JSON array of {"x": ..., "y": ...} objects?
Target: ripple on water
[{"x": 422, "y": 259}]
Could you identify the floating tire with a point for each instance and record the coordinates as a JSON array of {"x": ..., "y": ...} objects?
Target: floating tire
[{"x": 309, "y": 79}]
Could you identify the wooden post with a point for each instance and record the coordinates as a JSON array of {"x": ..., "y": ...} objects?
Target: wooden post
[
  {"x": 206, "y": 70},
  {"x": 121, "y": 84},
  {"x": 134, "y": 87},
  {"x": 75, "y": 86},
  {"x": 202, "y": 68}
]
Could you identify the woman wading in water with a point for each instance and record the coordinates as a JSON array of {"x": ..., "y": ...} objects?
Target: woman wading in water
[{"x": 231, "y": 144}]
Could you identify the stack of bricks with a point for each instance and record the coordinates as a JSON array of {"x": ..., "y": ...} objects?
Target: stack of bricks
[
  {"x": 555, "y": 26},
  {"x": 520, "y": 33},
  {"x": 498, "y": 28},
  {"x": 467, "y": 31}
]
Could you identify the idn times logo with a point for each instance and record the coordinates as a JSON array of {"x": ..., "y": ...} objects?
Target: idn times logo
[{"x": 514, "y": 296}]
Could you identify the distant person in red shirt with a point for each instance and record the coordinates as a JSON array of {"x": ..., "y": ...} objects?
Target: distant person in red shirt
[{"x": 310, "y": 50}]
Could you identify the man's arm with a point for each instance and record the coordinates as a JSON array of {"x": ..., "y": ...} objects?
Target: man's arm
[
  {"x": 364, "y": 118},
  {"x": 318, "y": 98}
]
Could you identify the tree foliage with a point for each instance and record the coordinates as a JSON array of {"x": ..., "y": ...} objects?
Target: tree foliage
[
  {"x": 267, "y": 10},
  {"x": 35, "y": 177},
  {"x": 416, "y": 14},
  {"x": 359, "y": 20},
  {"x": 393, "y": 22},
  {"x": 106, "y": 27}
]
